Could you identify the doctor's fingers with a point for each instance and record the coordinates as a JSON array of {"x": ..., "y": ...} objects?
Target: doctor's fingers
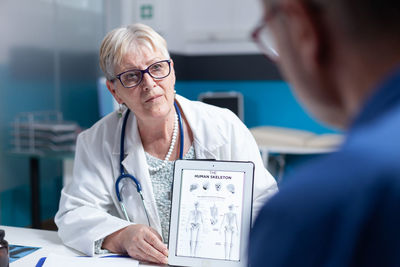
[
  {"x": 155, "y": 241},
  {"x": 153, "y": 254},
  {"x": 138, "y": 254},
  {"x": 143, "y": 257},
  {"x": 142, "y": 250},
  {"x": 146, "y": 245},
  {"x": 155, "y": 232}
]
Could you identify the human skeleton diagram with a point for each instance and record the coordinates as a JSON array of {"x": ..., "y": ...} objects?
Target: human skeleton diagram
[
  {"x": 195, "y": 221},
  {"x": 214, "y": 214},
  {"x": 230, "y": 226}
]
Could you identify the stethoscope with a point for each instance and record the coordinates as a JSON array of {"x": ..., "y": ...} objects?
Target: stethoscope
[{"x": 131, "y": 177}]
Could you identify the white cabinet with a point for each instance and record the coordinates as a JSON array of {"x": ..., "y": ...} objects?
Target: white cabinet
[
  {"x": 197, "y": 27},
  {"x": 213, "y": 26}
]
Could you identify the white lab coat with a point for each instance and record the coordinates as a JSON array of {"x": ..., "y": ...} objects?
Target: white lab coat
[{"x": 89, "y": 209}]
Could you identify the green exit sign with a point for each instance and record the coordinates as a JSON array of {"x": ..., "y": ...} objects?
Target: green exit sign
[{"x": 146, "y": 11}]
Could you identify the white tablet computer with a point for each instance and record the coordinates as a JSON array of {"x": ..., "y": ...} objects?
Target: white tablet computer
[{"x": 210, "y": 213}]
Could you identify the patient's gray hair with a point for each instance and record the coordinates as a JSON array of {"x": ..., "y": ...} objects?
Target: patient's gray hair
[{"x": 119, "y": 41}]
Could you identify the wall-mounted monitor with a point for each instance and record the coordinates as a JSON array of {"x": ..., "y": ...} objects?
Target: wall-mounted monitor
[{"x": 230, "y": 100}]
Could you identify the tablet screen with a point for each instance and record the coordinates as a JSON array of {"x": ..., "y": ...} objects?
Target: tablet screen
[{"x": 210, "y": 214}]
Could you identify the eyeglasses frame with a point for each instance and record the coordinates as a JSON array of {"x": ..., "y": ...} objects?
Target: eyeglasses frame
[
  {"x": 144, "y": 72},
  {"x": 266, "y": 50}
]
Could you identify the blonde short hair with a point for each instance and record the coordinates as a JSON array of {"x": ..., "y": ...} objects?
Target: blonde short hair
[{"x": 120, "y": 40}]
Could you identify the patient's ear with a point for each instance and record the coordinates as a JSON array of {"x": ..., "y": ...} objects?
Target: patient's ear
[{"x": 307, "y": 32}]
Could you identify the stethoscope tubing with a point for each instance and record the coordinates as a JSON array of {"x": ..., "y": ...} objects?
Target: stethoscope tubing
[{"x": 127, "y": 175}]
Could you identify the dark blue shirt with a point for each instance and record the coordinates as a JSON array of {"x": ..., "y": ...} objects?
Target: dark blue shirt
[{"x": 342, "y": 209}]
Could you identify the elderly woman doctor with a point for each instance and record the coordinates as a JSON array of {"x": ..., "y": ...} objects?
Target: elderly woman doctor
[{"x": 143, "y": 140}]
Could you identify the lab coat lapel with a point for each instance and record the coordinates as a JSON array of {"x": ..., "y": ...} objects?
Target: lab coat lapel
[{"x": 135, "y": 164}]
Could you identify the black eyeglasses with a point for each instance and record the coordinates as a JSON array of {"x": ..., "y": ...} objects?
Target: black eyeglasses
[
  {"x": 264, "y": 38},
  {"x": 158, "y": 70}
]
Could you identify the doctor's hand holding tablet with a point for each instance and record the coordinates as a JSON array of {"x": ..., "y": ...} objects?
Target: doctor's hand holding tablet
[{"x": 119, "y": 199}]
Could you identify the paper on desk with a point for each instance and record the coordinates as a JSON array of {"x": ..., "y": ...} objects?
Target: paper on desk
[{"x": 54, "y": 260}]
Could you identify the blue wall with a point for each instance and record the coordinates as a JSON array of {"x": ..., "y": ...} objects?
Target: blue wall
[
  {"x": 15, "y": 203},
  {"x": 265, "y": 102}
]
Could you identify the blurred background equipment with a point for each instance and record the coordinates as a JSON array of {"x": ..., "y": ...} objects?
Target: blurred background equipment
[
  {"x": 43, "y": 132},
  {"x": 43, "y": 135},
  {"x": 278, "y": 145},
  {"x": 231, "y": 100}
]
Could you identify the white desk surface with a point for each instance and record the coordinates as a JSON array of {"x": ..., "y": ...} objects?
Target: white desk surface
[
  {"x": 296, "y": 150},
  {"x": 48, "y": 241}
]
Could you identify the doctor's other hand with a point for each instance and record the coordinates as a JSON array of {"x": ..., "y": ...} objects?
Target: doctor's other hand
[{"x": 140, "y": 242}]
